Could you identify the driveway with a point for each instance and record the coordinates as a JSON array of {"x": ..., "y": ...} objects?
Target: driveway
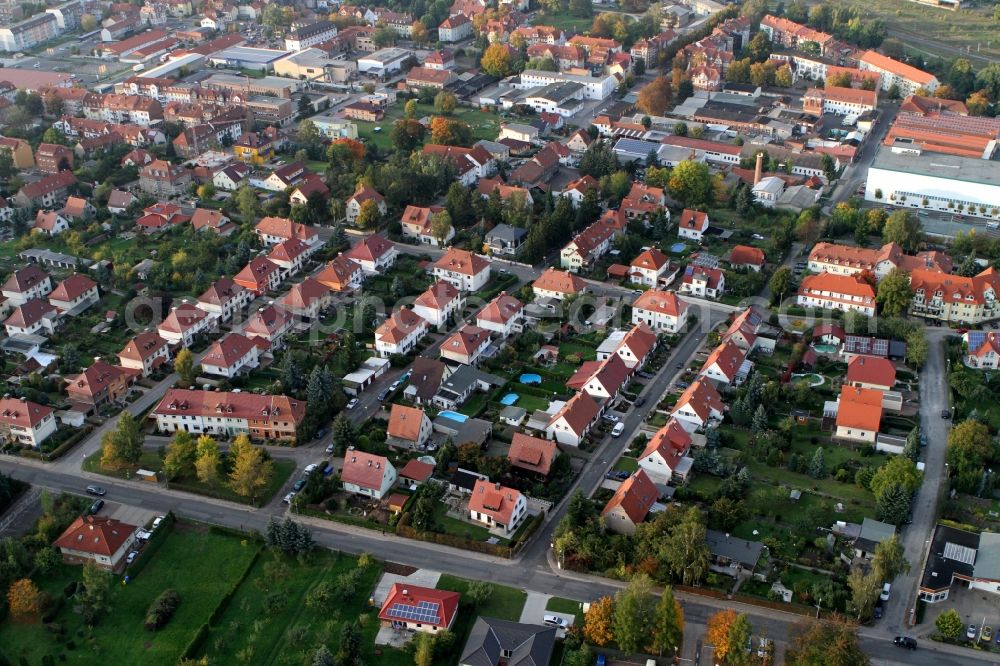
[{"x": 420, "y": 578}]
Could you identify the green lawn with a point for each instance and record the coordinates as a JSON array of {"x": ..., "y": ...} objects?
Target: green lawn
[
  {"x": 460, "y": 528},
  {"x": 199, "y": 565},
  {"x": 560, "y": 605},
  {"x": 505, "y": 603},
  {"x": 484, "y": 125},
  {"x": 626, "y": 464},
  {"x": 586, "y": 352}
]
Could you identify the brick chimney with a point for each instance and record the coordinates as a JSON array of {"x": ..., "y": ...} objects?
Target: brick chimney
[{"x": 758, "y": 170}]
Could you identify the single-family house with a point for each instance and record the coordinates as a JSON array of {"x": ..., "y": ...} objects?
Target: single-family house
[
  {"x": 871, "y": 372},
  {"x": 557, "y": 284},
  {"x": 99, "y": 539},
  {"x": 231, "y": 356},
  {"x": 400, "y": 333},
  {"x": 367, "y": 474},
  {"x": 98, "y": 385},
  {"x": 463, "y": 269},
  {"x": 374, "y": 254},
  {"x": 703, "y": 282},
  {"x": 146, "y": 352},
  {"x": 497, "y": 506},
  {"x": 693, "y": 225},
  {"x": 466, "y": 345},
  {"x": 725, "y": 364},
  {"x": 439, "y": 304},
  {"x": 699, "y": 406},
  {"x": 224, "y": 298},
  {"x": 503, "y": 316},
  {"x": 532, "y": 455},
  {"x": 660, "y": 310},
  {"x": 665, "y": 457},
  {"x": 184, "y": 323},
  {"x": 650, "y": 267},
  {"x": 746, "y": 258},
  {"x": 74, "y": 295},
  {"x": 26, "y": 284},
  {"x": 571, "y": 423},
  {"x": 630, "y": 504},
  {"x": 409, "y": 427},
  {"x": 341, "y": 274},
  {"x": 25, "y": 423},
  {"x": 415, "y": 608},
  {"x": 859, "y": 414},
  {"x": 259, "y": 276}
]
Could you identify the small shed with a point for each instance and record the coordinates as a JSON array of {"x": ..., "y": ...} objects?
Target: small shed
[{"x": 146, "y": 475}]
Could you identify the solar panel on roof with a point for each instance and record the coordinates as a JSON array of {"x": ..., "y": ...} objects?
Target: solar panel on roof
[
  {"x": 963, "y": 554},
  {"x": 976, "y": 339},
  {"x": 424, "y": 611}
]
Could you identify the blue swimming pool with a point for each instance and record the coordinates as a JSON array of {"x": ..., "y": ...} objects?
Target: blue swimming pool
[
  {"x": 530, "y": 378},
  {"x": 678, "y": 247},
  {"x": 454, "y": 416},
  {"x": 509, "y": 399}
]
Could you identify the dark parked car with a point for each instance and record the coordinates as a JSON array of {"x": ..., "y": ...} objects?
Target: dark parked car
[
  {"x": 905, "y": 642},
  {"x": 644, "y": 374},
  {"x": 96, "y": 507},
  {"x": 640, "y": 401},
  {"x": 945, "y": 414},
  {"x": 299, "y": 485},
  {"x": 383, "y": 395}
]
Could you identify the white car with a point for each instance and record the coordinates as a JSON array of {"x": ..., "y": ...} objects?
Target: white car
[
  {"x": 159, "y": 519},
  {"x": 555, "y": 621},
  {"x": 618, "y": 429},
  {"x": 310, "y": 469},
  {"x": 352, "y": 403},
  {"x": 884, "y": 595},
  {"x": 131, "y": 557},
  {"x": 288, "y": 498}
]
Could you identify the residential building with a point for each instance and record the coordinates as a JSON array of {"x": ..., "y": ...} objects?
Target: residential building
[
  {"x": 367, "y": 474},
  {"x": 455, "y": 29},
  {"x": 693, "y": 225},
  {"x": 954, "y": 298},
  {"x": 494, "y": 642},
  {"x": 35, "y": 316},
  {"x": 601, "y": 380},
  {"x": 399, "y": 333},
  {"x": 185, "y": 323},
  {"x": 49, "y": 192},
  {"x": 416, "y": 223},
  {"x": 409, "y": 428},
  {"x": 414, "y": 608},
  {"x": 649, "y": 268},
  {"x": 259, "y": 276},
  {"x": 907, "y": 79},
  {"x": 162, "y": 179},
  {"x": 960, "y": 556},
  {"x": 20, "y": 152},
  {"x": 99, "y": 539},
  {"x": 744, "y": 331},
  {"x": 310, "y": 35},
  {"x": 289, "y": 256},
  {"x": 253, "y": 148},
  {"x": 584, "y": 250},
  {"x": 837, "y": 292},
  {"x": 982, "y": 349},
  {"x": 146, "y": 352},
  {"x": 573, "y": 421},
  {"x": 307, "y": 300},
  {"x": 703, "y": 282},
  {"x": 227, "y": 414},
  {"x": 746, "y": 258},
  {"x": 630, "y": 504},
  {"x": 26, "y": 284},
  {"x": 341, "y": 274},
  {"x": 859, "y": 414},
  {"x": 29, "y": 33},
  {"x": 25, "y": 423},
  {"x": 74, "y": 295},
  {"x": 794, "y": 35},
  {"x": 503, "y": 316},
  {"x": 725, "y": 364},
  {"x": 415, "y": 473},
  {"x": 426, "y": 377},
  {"x": 839, "y": 101},
  {"x": 871, "y": 372},
  {"x": 53, "y": 158},
  {"x": 557, "y": 284},
  {"x": 505, "y": 241},
  {"x": 374, "y": 254},
  {"x": 466, "y": 345},
  {"x": 532, "y": 455},
  {"x": 850, "y": 260},
  {"x": 231, "y": 356},
  {"x": 440, "y": 303},
  {"x": 224, "y": 299},
  {"x": 699, "y": 406},
  {"x": 99, "y": 385},
  {"x": 274, "y": 230},
  {"x": 632, "y": 346},
  {"x": 463, "y": 269},
  {"x": 665, "y": 458},
  {"x": 660, "y": 310},
  {"x": 497, "y": 506},
  {"x": 269, "y": 325}
]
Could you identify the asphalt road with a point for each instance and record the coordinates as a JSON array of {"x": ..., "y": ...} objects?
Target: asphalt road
[{"x": 857, "y": 173}]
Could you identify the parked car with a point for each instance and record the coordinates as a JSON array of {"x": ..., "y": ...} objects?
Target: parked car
[
  {"x": 618, "y": 429},
  {"x": 644, "y": 374},
  {"x": 610, "y": 418},
  {"x": 987, "y": 634},
  {"x": 621, "y": 475},
  {"x": 884, "y": 596},
  {"x": 395, "y": 385},
  {"x": 96, "y": 507},
  {"x": 96, "y": 490},
  {"x": 602, "y": 660},
  {"x": 554, "y": 621},
  {"x": 320, "y": 434},
  {"x": 878, "y": 611},
  {"x": 682, "y": 385},
  {"x": 310, "y": 468},
  {"x": 327, "y": 469},
  {"x": 329, "y": 448},
  {"x": 352, "y": 403},
  {"x": 640, "y": 401},
  {"x": 945, "y": 414},
  {"x": 679, "y": 366},
  {"x": 299, "y": 485},
  {"x": 383, "y": 394},
  {"x": 158, "y": 520},
  {"x": 288, "y": 498},
  {"x": 905, "y": 642},
  {"x": 131, "y": 557},
  {"x": 970, "y": 633},
  {"x": 142, "y": 535}
]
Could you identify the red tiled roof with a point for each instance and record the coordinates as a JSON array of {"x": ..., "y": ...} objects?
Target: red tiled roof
[
  {"x": 304, "y": 294},
  {"x": 142, "y": 346},
  {"x": 532, "y": 453},
  {"x": 729, "y": 358},
  {"x": 651, "y": 259},
  {"x": 462, "y": 261},
  {"x": 702, "y": 398},
  {"x": 742, "y": 255},
  {"x": 221, "y": 292},
  {"x": 24, "y": 279},
  {"x": 97, "y": 535},
  {"x": 671, "y": 442},
  {"x": 664, "y": 302},
  {"x": 233, "y": 405},
  {"x": 29, "y": 314},
  {"x": 694, "y": 219},
  {"x": 284, "y": 228},
  {"x": 96, "y": 378},
  {"x": 22, "y": 413},
  {"x": 72, "y": 287},
  {"x": 417, "y": 470},
  {"x": 501, "y": 309},
  {"x": 437, "y": 296},
  {"x": 403, "y": 596},
  {"x": 871, "y": 370},
  {"x": 399, "y": 325},
  {"x": 579, "y": 411},
  {"x": 900, "y": 69},
  {"x": 370, "y": 249},
  {"x": 636, "y": 496},
  {"x": 182, "y": 318},
  {"x": 465, "y": 341},
  {"x": 226, "y": 352},
  {"x": 364, "y": 469},
  {"x": 559, "y": 281},
  {"x": 860, "y": 408},
  {"x": 494, "y": 500},
  {"x": 405, "y": 422}
]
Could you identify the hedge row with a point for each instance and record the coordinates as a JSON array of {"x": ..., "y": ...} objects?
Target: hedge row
[
  {"x": 62, "y": 449},
  {"x": 155, "y": 541}
]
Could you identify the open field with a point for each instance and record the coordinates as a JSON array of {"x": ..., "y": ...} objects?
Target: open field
[{"x": 484, "y": 125}]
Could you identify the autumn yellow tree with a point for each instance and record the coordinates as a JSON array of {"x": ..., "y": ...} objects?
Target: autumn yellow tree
[
  {"x": 718, "y": 631},
  {"x": 655, "y": 96},
  {"x": 369, "y": 215},
  {"x": 498, "y": 60},
  {"x": 24, "y": 598},
  {"x": 207, "y": 458},
  {"x": 598, "y": 623},
  {"x": 251, "y": 471}
]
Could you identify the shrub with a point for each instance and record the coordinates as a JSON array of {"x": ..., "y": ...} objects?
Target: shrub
[{"x": 162, "y": 609}]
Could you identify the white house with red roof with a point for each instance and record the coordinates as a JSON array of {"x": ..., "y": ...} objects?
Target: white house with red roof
[
  {"x": 602, "y": 380},
  {"x": 651, "y": 268},
  {"x": 533, "y": 455},
  {"x": 466, "y": 345},
  {"x": 341, "y": 274},
  {"x": 416, "y": 223},
  {"x": 859, "y": 414},
  {"x": 290, "y": 256},
  {"x": 746, "y": 258},
  {"x": 503, "y": 316},
  {"x": 583, "y": 251},
  {"x": 102, "y": 540},
  {"x": 100, "y": 384},
  {"x": 145, "y": 352},
  {"x": 307, "y": 299},
  {"x": 665, "y": 457},
  {"x": 74, "y": 295},
  {"x": 269, "y": 324},
  {"x": 262, "y": 417},
  {"x": 367, "y": 474},
  {"x": 744, "y": 331},
  {"x": 400, "y": 333},
  {"x": 26, "y": 423},
  {"x": 725, "y": 364},
  {"x": 259, "y": 276},
  {"x": 871, "y": 372},
  {"x": 577, "y": 190},
  {"x": 224, "y": 298},
  {"x": 463, "y": 269},
  {"x": 212, "y": 220},
  {"x": 414, "y": 608},
  {"x": 374, "y": 254},
  {"x": 982, "y": 349},
  {"x": 693, "y": 225},
  {"x": 184, "y": 323},
  {"x": 361, "y": 195},
  {"x": 837, "y": 292},
  {"x": 409, "y": 427},
  {"x": 571, "y": 423},
  {"x": 439, "y": 303},
  {"x": 630, "y": 504},
  {"x": 50, "y": 222},
  {"x": 35, "y": 316},
  {"x": 231, "y": 356},
  {"x": 25, "y": 284},
  {"x": 273, "y": 230},
  {"x": 497, "y": 506},
  {"x": 703, "y": 282},
  {"x": 415, "y": 473},
  {"x": 632, "y": 346},
  {"x": 699, "y": 406},
  {"x": 660, "y": 310},
  {"x": 557, "y": 284}
]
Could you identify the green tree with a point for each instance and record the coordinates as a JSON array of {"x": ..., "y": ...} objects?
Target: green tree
[
  {"x": 342, "y": 433},
  {"x": 634, "y": 611},
  {"x": 407, "y": 134},
  {"x": 691, "y": 184},
  {"x": 369, "y": 215},
  {"x": 889, "y": 560},
  {"x": 899, "y": 470},
  {"x": 498, "y": 61},
  {"x": 865, "y": 588},
  {"x": 685, "y": 553},
  {"x": 970, "y": 447},
  {"x": 247, "y": 202},
  {"x": 817, "y": 465},
  {"x": 780, "y": 283},
  {"x": 831, "y": 642},
  {"x": 445, "y": 103},
  {"x": 410, "y": 109},
  {"x": 479, "y": 592},
  {"x": 181, "y": 455},
  {"x": 894, "y": 293},
  {"x": 122, "y": 446},
  {"x": 739, "y": 638},
  {"x": 667, "y": 624},
  {"x": 441, "y": 226},
  {"x": 893, "y": 505},
  {"x": 184, "y": 367},
  {"x": 916, "y": 347},
  {"x": 904, "y": 229},
  {"x": 949, "y": 624},
  {"x": 911, "y": 449}
]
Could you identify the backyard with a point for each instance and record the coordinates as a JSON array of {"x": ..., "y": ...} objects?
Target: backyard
[{"x": 484, "y": 125}]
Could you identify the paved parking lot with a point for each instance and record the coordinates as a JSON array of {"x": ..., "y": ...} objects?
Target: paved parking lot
[
  {"x": 128, "y": 514},
  {"x": 975, "y": 606}
]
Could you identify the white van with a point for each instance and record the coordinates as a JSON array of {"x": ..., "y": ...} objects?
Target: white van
[{"x": 618, "y": 429}]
